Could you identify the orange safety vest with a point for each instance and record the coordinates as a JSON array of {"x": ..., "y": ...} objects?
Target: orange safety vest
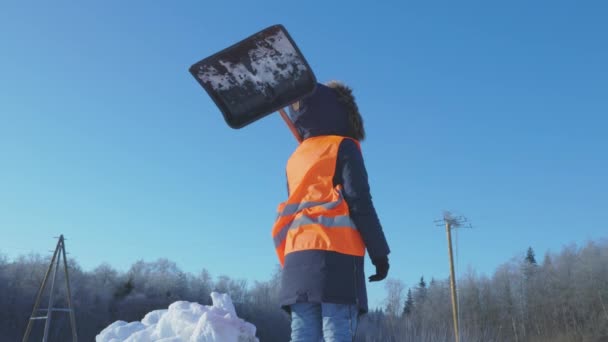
[{"x": 315, "y": 216}]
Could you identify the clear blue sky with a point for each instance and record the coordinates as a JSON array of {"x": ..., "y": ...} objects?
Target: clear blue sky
[{"x": 498, "y": 111}]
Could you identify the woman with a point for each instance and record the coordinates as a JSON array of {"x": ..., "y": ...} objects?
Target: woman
[{"x": 328, "y": 220}]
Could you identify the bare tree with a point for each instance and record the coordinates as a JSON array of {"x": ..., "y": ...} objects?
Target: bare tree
[{"x": 564, "y": 298}]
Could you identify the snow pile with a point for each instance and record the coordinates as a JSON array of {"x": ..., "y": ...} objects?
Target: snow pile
[
  {"x": 185, "y": 322},
  {"x": 272, "y": 60}
]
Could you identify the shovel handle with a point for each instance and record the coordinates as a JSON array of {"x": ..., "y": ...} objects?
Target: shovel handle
[{"x": 292, "y": 128}]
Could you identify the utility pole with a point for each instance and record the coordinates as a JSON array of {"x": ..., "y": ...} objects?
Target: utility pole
[
  {"x": 53, "y": 266},
  {"x": 450, "y": 222}
]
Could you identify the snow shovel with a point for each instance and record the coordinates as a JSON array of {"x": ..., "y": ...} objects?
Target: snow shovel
[{"x": 255, "y": 77}]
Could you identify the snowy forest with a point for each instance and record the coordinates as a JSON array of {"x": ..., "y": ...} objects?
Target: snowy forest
[{"x": 560, "y": 297}]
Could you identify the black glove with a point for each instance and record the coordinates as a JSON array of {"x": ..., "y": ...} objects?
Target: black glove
[{"x": 381, "y": 268}]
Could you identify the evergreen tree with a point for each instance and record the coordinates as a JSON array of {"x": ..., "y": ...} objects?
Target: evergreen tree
[
  {"x": 530, "y": 257},
  {"x": 422, "y": 283},
  {"x": 420, "y": 291},
  {"x": 409, "y": 304},
  {"x": 124, "y": 290}
]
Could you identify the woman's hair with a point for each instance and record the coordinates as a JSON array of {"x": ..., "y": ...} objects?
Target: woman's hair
[{"x": 345, "y": 96}]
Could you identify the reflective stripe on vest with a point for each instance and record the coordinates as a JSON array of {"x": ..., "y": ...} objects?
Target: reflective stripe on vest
[
  {"x": 343, "y": 221},
  {"x": 291, "y": 209},
  {"x": 315, "y": 216}
]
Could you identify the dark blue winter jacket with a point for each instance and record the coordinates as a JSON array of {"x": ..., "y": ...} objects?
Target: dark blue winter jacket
[{"x": 322, "y": 276}]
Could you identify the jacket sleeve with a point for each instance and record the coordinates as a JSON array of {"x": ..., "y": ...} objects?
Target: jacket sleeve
[{"x": 351, "y": 173}]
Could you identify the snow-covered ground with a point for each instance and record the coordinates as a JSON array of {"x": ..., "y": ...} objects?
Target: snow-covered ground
[{"x": 185, "y": 322}]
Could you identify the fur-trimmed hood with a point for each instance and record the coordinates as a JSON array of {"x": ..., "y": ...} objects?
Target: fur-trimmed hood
[{"x": 324, "y": 112}]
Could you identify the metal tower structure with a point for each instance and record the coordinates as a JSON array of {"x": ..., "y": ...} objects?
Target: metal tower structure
[{"x": 36, "y": 315}]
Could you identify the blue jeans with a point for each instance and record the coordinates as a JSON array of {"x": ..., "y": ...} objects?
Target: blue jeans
[{"x": 310, "y": 322}]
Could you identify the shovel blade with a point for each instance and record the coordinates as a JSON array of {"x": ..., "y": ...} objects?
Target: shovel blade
[{"x": 256, "y": 76}]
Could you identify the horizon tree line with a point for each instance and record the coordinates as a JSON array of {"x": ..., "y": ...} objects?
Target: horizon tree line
[{"x": 563, "y": 298}]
